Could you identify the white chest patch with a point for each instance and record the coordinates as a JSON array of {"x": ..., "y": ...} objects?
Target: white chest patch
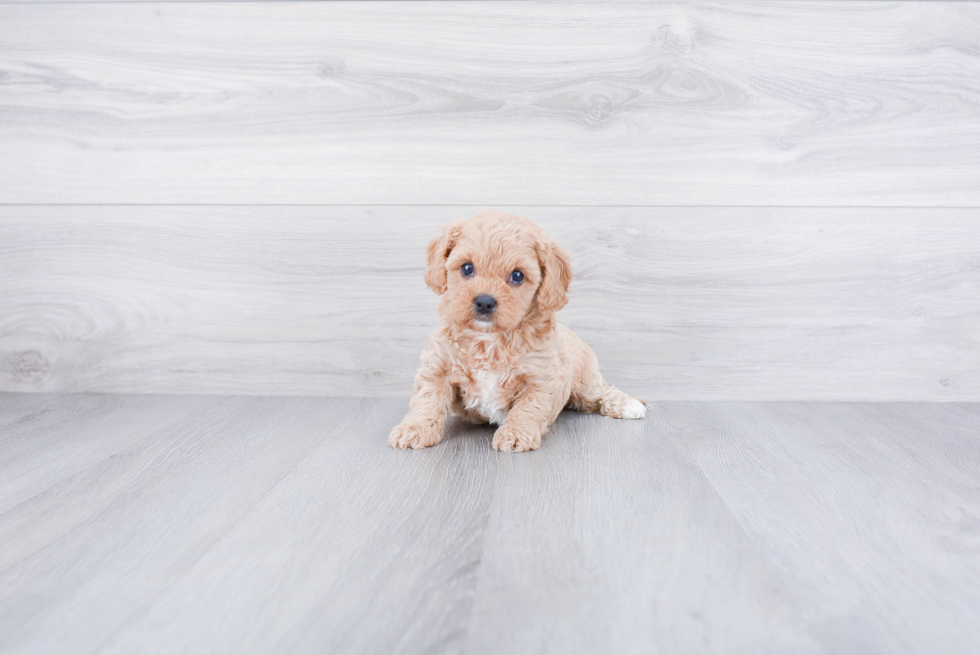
[{"x": 487, "y": 401}]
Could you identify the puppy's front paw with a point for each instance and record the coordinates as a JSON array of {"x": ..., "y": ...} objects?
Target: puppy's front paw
[
  {"x": 511, "y": 439},
  {"x": 412, "y": 435}
]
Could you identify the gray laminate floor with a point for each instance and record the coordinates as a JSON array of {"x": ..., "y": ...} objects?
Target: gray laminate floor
[{"x": 183, "y": 524}]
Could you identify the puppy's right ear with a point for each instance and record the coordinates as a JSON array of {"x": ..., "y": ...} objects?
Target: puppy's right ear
[{"x": 437, "y": 252}]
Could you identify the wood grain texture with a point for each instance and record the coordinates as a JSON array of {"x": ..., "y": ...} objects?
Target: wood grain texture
[
  {"x": 754, "y": 103},
  {"x": 610, "y": 540},
  {"x": 898, "y": 479},
  {"x": 678, "y": 303},
  {"x": 287, "y": 525}
]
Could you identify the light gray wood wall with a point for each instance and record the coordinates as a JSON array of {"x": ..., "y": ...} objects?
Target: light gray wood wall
[
  {"x": 758, "y": 103},
  {"x": 678, "y": 302},
  {"x": 764, "y": 200}
]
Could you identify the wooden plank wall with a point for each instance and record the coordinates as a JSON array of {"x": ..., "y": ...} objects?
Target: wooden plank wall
[{"x": 763, "y": 200}]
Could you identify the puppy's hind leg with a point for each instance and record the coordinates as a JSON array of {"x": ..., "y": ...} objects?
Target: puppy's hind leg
[
  {"x": 607, "y": 400},
  {"x": 618, "y": 404},
  {"x": 592, "y": 394}
]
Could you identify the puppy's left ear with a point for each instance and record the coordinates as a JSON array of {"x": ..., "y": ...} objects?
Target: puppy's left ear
[
  {"x": 556, "y": 270},
  {"x": 437, "y": 253}
]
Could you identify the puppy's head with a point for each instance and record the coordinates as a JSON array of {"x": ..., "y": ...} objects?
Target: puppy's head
[{"x": 496, "y": 271}]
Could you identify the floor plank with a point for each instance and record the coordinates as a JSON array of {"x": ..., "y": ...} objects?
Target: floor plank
[
  {"x": 872, "y": 510},
  {"x": 92, "y": 553},
  {"x": 53, "y": 444},
  {"x": 611, "y": 540},
  {"x": 240, "y": 525},
  {"x": 360, "y": 550},
  {"x": 708, "y": 103},
  {"x": 687, "y": 303}
]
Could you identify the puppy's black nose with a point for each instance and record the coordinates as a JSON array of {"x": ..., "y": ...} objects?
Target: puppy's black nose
[{"x": 485, "y": 304}]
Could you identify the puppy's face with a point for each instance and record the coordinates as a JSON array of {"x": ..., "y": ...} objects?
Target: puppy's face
[{"x": 496, "y": 271}]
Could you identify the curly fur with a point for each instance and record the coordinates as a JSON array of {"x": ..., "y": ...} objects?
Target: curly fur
[{"x": 517, "y": 370}]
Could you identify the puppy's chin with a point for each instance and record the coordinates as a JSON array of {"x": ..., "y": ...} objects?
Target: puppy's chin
[{"x": 484, "y": 323}]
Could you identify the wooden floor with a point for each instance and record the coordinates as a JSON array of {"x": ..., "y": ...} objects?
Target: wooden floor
[{"x": 169, "y": 524}]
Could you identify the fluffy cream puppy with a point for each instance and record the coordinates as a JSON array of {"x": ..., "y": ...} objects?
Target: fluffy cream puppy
[{"x": 499, "y": 354}]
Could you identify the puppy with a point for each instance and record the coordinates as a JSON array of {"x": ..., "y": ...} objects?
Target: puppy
[{"x": 499, "y": 355}]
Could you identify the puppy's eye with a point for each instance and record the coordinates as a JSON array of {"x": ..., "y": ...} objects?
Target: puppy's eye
[
  {"x": 466, "y": 269},
  {"x": 516, "y": 277}
]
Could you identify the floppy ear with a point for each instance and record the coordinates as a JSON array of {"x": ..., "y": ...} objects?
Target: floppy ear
[
  {"x": 437, "y": 253},
  {"x": 556, "y": 271}
]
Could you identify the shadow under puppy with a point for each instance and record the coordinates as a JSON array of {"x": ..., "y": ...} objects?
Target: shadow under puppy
[{"x": 499, "y": 354}]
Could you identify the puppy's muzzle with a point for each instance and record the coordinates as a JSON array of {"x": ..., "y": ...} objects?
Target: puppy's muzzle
[{"x": 484, "y": 304}]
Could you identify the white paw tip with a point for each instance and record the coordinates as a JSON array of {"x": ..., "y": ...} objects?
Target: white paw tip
[{"x": 634, "y": 409}]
